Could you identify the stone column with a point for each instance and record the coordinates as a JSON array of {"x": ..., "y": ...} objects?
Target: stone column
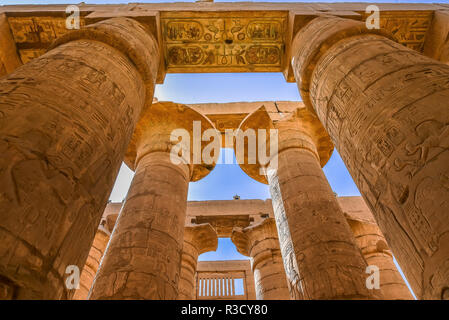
[
  {"x": 374, "y": 248},
  {"x": 386, "y": 109},
  {"x": 143, "y": 258},
  {"x": 198, "y": 239},
  {"x": 320, "y": 256},
  {"x": 9, "y": 59},
  {"x": 66, "y": 119},
  {"x": 260, "y": 242},
  {"x": 93, "y": 262}
]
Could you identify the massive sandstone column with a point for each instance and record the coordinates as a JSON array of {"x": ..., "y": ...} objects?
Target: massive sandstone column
[
  {"x": 198, "y": 239},
  {"x": 93, "y": 261},
  {"x": 66, "y": 119},
  {"x": 260, "y": 242},
  {"x": 386, "y": 109},
  {"x": 436, "y": 44},
  {"x": 320, "y": 256},
  {"x": 143, "y": 258},
  {"x": 374, "y": 248}
]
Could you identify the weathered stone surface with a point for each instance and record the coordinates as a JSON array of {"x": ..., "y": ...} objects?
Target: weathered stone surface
[
  {"x": 376, "y": 252},
  {"x": 65, "y": 122},
  {"x": 320, "y": 256},
  {"x": 216, "y": 280},
  {"x": 260, "y": 242},
  {"x": 385, "y": 108},
  {"x": 437, "y": 40},
  {"x": 143, "y": 258},
  {"x": 226, "y": 213},
  {"x": 67, "y": 116},
  {"x": 227, "y": 41},
  {"x": 93, "y": 262},
  {"x": 9, "y": 60},
  {"x": 218, "y": 37},
  {"x": 198, "y": 239}
]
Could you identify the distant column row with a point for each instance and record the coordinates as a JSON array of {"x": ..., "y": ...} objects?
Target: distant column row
[{"x": 70, "y": 117}]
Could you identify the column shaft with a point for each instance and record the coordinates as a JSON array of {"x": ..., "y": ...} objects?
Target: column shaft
[
  {"x": 93, "y": 262},
  {"x": 269, "y": 275},
  {"x": 144, "y": 255},
  {"x": 198, "y": 238},
  {"x": 66, "y": 119},
  {"x": 319, "y": 252},
  {"x": 386, "y": 108}
]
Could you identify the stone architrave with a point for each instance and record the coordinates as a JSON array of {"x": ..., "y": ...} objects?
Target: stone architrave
[
  {"x": 143, "y": 258},
  {"x": 320, "y": 256},
  {"x": 198, "y": 239},
  {"x": 66, "y": 119},
  {"x": 386, "y": 109},
  {"x": 260, "y": 242}
]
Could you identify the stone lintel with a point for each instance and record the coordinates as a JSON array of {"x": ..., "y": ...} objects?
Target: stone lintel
[
  {"x": 300, "y": 129},
  {"x": 202, "y": 236}
]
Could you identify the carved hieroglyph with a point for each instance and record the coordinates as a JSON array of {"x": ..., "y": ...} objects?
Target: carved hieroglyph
[
  {"x": 223, "y": 41},
  {"x": 224, "y": 37},
  {"x": 143, "y": 258},
  {"x": 92, "y": 263},
  {"x": 386, "y": 108},
  {"x": 321, "y": 259},
  {"x": 260, "y": 242},
  {"x": 65, "y": 122},
  {"x": 198, "y": 239}
]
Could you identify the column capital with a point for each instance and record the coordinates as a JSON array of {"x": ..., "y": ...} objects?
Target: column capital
[
  {"x": 300, "y": 129},
  {"x": 245, "y": 238},
  {"x": 202, "y": 236},
  {"x": 154, "y": 133},
  {"x": 312, "y": 41}
]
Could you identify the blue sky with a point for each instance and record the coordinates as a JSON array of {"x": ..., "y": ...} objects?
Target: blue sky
[{"x": 227, "y": 180}]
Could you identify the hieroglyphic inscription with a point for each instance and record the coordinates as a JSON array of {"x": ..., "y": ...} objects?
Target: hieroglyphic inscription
[
  {"x": 34, "y": 34},
  {"x": 196, "y": 42}
]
